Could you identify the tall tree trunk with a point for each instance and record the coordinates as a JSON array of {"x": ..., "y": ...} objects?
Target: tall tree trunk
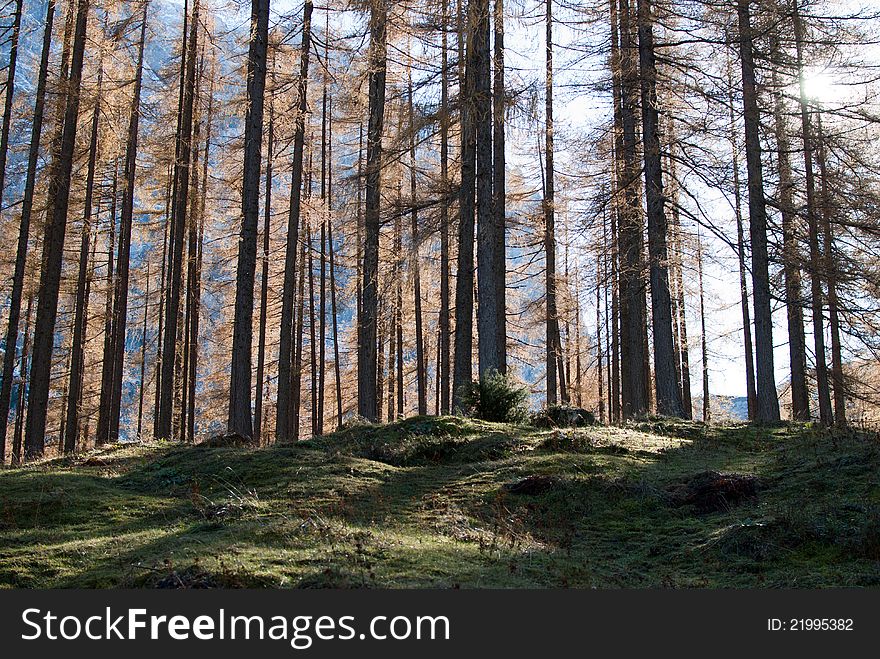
[
  {"x": 285, "y": 425},
  {"x": 162, "y": 287},
  {"x": 27, "y": 206},
  {"x": 53, "y": 247},
  {"x": 685, "y": 368},
  {"x": 22, "y": 386},
  {"x": 633, "y": 345},
  {"x": 598, "y": 344},
  {"x": 367, "y": 402},
  {"x": 187, "y": 374},
  {"x": 10, "y": 97},
  {"x": 322, "y": 341},
  {"x": 74, "y": 389},
  {"x": 194, "y": 315},
  {"x": 140, "y": 417},
  {"x": 107, "y": 359},
  {"x": 178, "y": 223},
  {"x": 421, "y": 375},
  {"x": 443, "y": 328},
  {"x": 553, "y": 342},
  {"x": 831, "y": 280},
  {"x": 462, "y": 370},
  {"x": 398, "y": 309},
  {"x": 312, "y": 334},
  {"x": 120, "y": 307},
  {"x": 264, "y": 278},
  {"x": 794, "y": 302},
  {"x": 240, "y": 420},
  {"x": 666, "y": 384},
  {"x": 748, "y": 353},
  {"x": 296, "y": 385},
  {"x": 706, "y": 398},
  {"x": 826, "y": 415},
  {"x": 490, "y": 233},
  {"x": 767, "y": 409},
  {"x": 336, "y": 366}
]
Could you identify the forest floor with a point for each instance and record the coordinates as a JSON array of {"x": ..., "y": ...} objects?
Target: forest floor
[{"x": 447, "y": 502}]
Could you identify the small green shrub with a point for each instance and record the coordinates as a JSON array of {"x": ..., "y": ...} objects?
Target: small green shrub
[{"x": 495, "y": 397}]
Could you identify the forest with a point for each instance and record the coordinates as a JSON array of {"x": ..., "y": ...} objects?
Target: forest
[{"x": 365, "y": 252}]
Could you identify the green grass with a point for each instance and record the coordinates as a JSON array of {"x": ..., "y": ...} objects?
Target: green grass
[{"x": 423, "y": 503}]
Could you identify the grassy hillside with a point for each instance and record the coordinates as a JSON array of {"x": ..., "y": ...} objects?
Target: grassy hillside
[{"x": 450, "y": 502}]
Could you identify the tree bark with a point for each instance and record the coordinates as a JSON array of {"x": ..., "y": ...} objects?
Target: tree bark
[
  {"x": 666, "y": 384},
  {"x": 27, "y": 205},
  {"x": 767, "y": 409},
  {"x": 444, "y": 330},
  {"x": 633, "y": 348},
  {"x": 491, "y": 268},
  {"x": 178, "y": 224},
  {"x": 421, "y": 375},
  {"x": 74, "y": 389},
  {"x": 240, "y": 419},
  {"x": 53, "y": 247},
  {"x": 794, "y": 301},
  {"x": 367, "y": 400},
  {"x": 120, "y": 307},
  {"x": 830, "y": 268},
  {"x": 285, "y": 425},
  {"x": 264, "y": 279}
]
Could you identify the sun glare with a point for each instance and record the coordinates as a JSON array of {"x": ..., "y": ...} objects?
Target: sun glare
[{"x": 820, "y": 86}]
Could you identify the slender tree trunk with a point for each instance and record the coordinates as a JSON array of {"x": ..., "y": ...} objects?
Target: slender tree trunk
[
  {"x": 53, "y": 247},
  {"x": 686, "y": 401},
  {"x": 748, "y": 353},
  {"x": 367, "y": 400},
  {"x": 178, "y": 223},
  {"x": 598, "y": 344},
  {"x": 10, "y": 97},
  {"x": 21, "y": 398},
  {"x": 27, "y": 205},
  {"x": 312, "y": 333},
  {"x": 421, "y": 375},
  {"x": 74, "y": 400},
  {"x": 444, "y": 330},
  {"x": 398, "y": 310},
  {"x": 140, "y": 417},
  {"x": 322, "y": 322},
  {"x": 296, "y": 386},
  {"x": 286, "y": 426},
  {"x": 553, "y": 341},
  {"x": 120, "y": 307},
  {"x": 107, "y": 359},
  {"x": 240, "y": 419},
  {"x": 706, "y": 399},
  {"x": 794, "y": 302},
  {"x": 767, "y": 409},
  {"x": 831, "y": 280},
  {"x": 332, "y": 249},
  {"x": 264, "y": 280},
  {"x": 666, "y": 384},
  {"x": 826, "y": 415},
  {"x": 162, "y": 287},
  {"x": 194, "y": 314}
]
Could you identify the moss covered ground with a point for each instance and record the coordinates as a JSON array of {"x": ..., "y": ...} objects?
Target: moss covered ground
[{"x": 426, "y": 502}]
